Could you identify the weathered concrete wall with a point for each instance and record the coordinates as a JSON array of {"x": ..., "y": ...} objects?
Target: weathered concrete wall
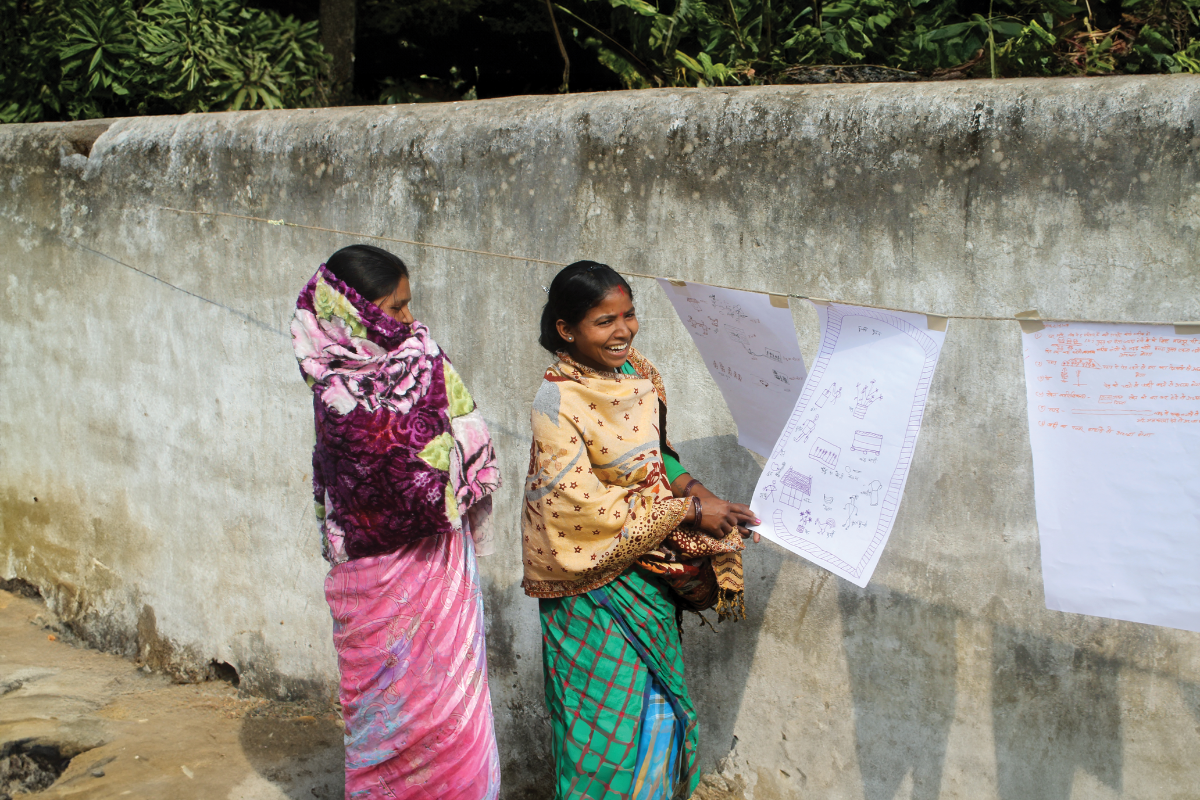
[{"x": 155, "y": 439}]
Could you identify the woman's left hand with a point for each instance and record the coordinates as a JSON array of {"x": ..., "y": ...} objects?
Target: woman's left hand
[{"x": 725, "y": 516}]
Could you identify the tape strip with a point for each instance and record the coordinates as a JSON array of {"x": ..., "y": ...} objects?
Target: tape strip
[
  {"x": 1187, "y": 328},
  {"x": 819, "y": 301},
  {"x": 677, "y": 283},
  {"x": 1030, "y": 321},
  {"x": 780, "y": 301},
  {"x": 936, "y": 322}
]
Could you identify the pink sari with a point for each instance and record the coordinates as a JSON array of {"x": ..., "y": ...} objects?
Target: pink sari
[
  {"x": 403, "y": 473},
  {"x": 408, "y": 627}
]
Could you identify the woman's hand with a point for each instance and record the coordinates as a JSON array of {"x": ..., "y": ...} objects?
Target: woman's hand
[{"x": 717, "y": 517}]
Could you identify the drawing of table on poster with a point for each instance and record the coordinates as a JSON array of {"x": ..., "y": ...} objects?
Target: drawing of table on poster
[
  {"x": 833, "y": 482},
  {"x": 748, "y": 342},
  {"x": 1114, "y": 425}
]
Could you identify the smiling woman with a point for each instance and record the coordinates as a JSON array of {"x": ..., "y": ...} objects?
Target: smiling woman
[
  {"x": 591, "y": 316},
  {"x": 618, "y": 540},
  {"x": 602, "y": 339}
]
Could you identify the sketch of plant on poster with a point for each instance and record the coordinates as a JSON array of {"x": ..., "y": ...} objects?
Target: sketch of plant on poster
[
  {"x": 832, "y": 485},
  {"x": 748, "y": 342}
]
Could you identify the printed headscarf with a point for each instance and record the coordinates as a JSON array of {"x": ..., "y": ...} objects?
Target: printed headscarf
[{"x": 402, "y": 452}]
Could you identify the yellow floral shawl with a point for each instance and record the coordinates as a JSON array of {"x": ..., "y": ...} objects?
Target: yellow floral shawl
[{"x": 596, "y": 495}]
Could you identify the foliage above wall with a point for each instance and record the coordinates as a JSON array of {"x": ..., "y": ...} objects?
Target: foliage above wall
[
  {"x": 706, "y": 42},
  {"x": 88, "y": 58},
  {"x": 72, "y": 59}
]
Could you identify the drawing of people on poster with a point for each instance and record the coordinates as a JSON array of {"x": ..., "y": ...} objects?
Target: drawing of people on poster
[{"x": 850, "y": 439}]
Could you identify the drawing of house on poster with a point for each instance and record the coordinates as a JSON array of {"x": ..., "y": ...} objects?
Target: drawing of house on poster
[{"x": 832, "y": 485}]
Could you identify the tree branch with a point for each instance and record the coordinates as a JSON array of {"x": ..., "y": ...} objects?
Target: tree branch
[{"x": 562, "y": 48}]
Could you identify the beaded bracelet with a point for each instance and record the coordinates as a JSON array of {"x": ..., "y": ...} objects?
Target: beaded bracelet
[{"x": 687, "y": 490}]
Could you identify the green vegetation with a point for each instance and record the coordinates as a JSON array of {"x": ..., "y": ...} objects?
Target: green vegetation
[
  {"x": 72, "y": 59},
  {"x": 707, "y": 42},
  {"x": 75, "y": 59}
]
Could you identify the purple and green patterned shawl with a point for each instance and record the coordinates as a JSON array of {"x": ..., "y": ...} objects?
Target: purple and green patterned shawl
[{"x": 402, "y": 452}]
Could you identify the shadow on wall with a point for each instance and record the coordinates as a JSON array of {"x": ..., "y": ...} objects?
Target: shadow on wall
[
  {"x": 1191, "y": 698},
  {"x": 902, "y": 661},
  {"x": 303, "y": 757},
  {"x": 522, "y": 722},
  {"x": 718, "y": 664},
  {"x": 1055, "y": 706},
  {"x": 297, "y": 745}
]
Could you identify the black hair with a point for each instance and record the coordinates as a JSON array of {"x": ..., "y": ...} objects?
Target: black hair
[
  {"x": 575, "y": 290},
  {"x": 369, "y": 270}
]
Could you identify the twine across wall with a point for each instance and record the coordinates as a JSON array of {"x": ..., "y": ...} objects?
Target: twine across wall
[{"x": 1029, "y": 319}]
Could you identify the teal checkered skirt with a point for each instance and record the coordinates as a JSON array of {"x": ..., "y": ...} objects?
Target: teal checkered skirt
[{"x": 623, "y": 723}]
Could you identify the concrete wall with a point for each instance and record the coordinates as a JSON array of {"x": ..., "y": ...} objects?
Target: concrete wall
[{"x": 155, "y": 432}]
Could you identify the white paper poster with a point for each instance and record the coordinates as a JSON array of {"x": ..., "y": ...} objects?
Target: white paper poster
[
  {"x": 749, "y": 345},
  {"x": 1114, "y": 425},
  {"x": 833, "y": 483}
]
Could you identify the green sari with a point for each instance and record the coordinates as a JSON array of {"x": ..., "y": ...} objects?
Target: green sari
[{"x": 600, "y": 650}]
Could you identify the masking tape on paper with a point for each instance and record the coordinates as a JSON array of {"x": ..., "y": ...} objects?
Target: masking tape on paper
[
  {"x": 1030, "y": 321},
  {"x": 936, "y": 322},
  {"x": 779, "y": 300}
]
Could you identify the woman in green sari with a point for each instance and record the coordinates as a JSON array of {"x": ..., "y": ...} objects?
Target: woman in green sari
[{"x": 618, "y": 540}]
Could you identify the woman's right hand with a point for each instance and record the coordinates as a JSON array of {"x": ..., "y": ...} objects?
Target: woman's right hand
[{"x": 719, "y": 517}]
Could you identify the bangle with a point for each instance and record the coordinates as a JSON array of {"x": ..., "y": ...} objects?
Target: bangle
[
  {"x": 699, "y": 513},
  {"x": 687, "y": 490}
]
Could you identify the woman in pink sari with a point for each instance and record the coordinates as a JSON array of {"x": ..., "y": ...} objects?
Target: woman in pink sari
[{"x": 403, "y": 472}]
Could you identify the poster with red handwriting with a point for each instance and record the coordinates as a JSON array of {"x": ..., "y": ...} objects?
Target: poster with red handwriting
[{"x": 1114, "y": 424}]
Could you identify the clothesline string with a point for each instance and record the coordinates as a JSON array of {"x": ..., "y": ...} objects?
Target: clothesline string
[
  {"x": 357, "y": 234},
  {"x": 286, "y": 224}
]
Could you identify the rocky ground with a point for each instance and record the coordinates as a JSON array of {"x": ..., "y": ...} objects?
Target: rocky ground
[{"x": 87, "y": 725}]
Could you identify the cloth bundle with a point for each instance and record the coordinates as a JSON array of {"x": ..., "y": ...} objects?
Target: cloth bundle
[{"x": 704, "y": 572}]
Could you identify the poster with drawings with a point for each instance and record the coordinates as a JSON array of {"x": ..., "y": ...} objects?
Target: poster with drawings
[
  {"x": 833, "y": 482},
  {"x": 748, "y": 342},
  {"x": 1114, "y": 426}
]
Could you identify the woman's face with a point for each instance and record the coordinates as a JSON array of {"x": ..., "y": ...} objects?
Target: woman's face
[
  {"x": 395, "y": 305},
  {"x": 601, "y": 340}
]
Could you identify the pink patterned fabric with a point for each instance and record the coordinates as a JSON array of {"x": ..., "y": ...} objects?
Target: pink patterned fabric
[
  {"x": 408, "y": 627},
  {"x": 403, "y": 473},
  {"x": 401, "y": 452}
]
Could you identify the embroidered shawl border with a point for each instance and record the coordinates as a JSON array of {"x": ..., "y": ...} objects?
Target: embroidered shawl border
[{"x": 569, "y": 423}]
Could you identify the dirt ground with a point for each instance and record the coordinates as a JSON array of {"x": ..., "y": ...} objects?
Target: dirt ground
[
  {"x": 91, "y": 726},
  {"x": 122, "y": 732}
]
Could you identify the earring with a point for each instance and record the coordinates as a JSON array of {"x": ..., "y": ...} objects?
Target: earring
[{"x": 570, "y": 338}]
